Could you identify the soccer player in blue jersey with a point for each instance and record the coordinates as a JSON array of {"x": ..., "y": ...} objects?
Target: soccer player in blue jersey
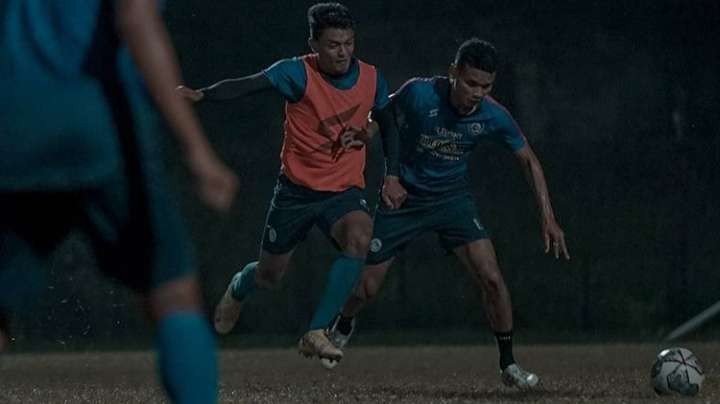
[
  {"x": 78, "y": 150},
  {"x": 328, "y": 95},
  {"x": 441, "y": 120}
]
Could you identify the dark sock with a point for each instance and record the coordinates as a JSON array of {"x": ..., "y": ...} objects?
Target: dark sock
[
  {"x": 504, "y": 343},
  {"x": 344, "y": 324}
]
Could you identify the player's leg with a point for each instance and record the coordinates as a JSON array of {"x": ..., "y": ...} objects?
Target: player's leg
[
  {"x": 186, "y": 347},
  {"x": 29, "y": 233},
  {"x": 290, "y": 217},
  {"x": 460, "y": 231},
  {"x": 363, "y": 294},
  {"x": 367, "y": 289},
  {"x": 479, "y": 258},
  {"x": 352, "y": 233},
  {"x": 345, "y": 218},
  {"x": 140, "y": 239},
  {"x": 265, "y": 273},
  {"x": 342, "y": 326},
  {"x": 392, "y": 229}
]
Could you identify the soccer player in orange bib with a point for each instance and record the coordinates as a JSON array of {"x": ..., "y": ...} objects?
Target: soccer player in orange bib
[{"x": 329, "y": 95}]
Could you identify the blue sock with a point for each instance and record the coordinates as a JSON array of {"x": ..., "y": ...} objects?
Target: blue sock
[
  {"x": 186, "y": 358},
  {"x": 344, "y": 274},
  {"x": 243, "y": 283}
]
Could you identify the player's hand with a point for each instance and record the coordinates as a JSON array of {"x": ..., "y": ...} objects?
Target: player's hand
[
  {"x": 354, "y": 138},
  {"x": 554, "y": 238},
  {"x": 189, "y": 93},
  {"x": 393, "y": 193},
  {"x": 371, "y": 130},
  {"x": 216, "y": 183}
]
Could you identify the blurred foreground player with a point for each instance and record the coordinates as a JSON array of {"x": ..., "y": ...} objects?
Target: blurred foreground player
[{"x": 78, "y": 150}]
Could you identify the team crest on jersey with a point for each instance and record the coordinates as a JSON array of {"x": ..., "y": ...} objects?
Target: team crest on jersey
[
  {"x": 375, "y": 245},
  {"x": 272, "y": 234},
  {"x": 477, "y": 128}
]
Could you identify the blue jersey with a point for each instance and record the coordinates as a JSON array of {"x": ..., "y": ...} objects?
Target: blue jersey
[
  {"x": 56, "y": 118},
  {"x": 436, "y": 141},
  {"x": 289, "y": 78},
  {"x": 61, "y": 40}
]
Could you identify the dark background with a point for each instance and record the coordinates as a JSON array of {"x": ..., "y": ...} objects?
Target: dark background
[{"x": 620, "y": 102}]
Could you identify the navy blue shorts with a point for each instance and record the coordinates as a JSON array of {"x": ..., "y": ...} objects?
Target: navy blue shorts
[
  {"x": 454, "y": 220},
  {"x": 295, "y": 209},
  {"x": 111, "y": 188},
  {"x": 142, "y": 245}
]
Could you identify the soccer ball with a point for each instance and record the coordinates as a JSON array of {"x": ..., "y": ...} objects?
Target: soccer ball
[{"x": 677, "y": 371}]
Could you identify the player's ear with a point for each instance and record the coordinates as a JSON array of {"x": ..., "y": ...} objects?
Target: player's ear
[{"x": 452, "y": 72}]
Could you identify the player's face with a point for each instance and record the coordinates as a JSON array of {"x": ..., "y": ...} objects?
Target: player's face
[
  {"x": 469, "y": 86},
  {"x": 335, "y": 49}
]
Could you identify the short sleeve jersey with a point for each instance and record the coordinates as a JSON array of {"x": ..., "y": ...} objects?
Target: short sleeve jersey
[
  {"x": 56, "y": 122},
  {"x": 436, "y": 141}
]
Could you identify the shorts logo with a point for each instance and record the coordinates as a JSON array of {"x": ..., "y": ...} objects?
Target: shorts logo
[
  {"x": 364, "y": 204},
  {"x": 433, "y": 113},
  {"x": 272, "y": 234},
  {"x": 477, "y": 128},
  {"x": 477, "y": 224},
  {"x": 375, "y": 245}
]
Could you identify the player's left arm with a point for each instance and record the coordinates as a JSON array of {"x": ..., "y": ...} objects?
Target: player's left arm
[
  {"x": 140, "y": 26},
  {"x": 382, "y": 119},
  {"x": 393, "y": 193},
  {"x": 553, "y": 235}
]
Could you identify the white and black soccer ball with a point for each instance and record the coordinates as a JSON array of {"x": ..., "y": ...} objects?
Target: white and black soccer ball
[{"x": 677, "y": 371}]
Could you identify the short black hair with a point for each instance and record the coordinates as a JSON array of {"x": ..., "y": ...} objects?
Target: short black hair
[
  {"x": 478, "y": 54},
  {"x": 328, "y": 15}
]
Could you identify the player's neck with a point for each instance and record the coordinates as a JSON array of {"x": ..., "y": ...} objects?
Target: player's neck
[
  {"x": 337, "y": 76},
  {"x": 457, "y": 106}
]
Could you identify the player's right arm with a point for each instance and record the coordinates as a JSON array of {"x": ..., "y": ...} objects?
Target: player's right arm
[
  {"x": 141, "y": 27},
  {"x": 229, "y": 88},
  {"x": 286, "y": 76}
]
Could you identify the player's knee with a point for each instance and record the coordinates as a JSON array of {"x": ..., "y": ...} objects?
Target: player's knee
[
  {"x": 358, "y": 242},
  {"x": 492, "y": 281},
  {"x": 173, "y": 296},
  {"x": 269, "y": 277}
]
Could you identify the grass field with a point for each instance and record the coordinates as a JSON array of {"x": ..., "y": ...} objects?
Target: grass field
[{"x": 617, "y": 373}]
